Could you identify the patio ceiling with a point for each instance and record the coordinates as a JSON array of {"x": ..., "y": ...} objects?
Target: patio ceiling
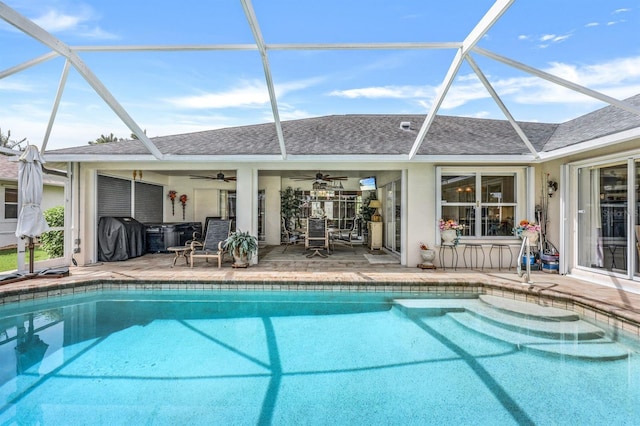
[{"x": 475, "y": 21}]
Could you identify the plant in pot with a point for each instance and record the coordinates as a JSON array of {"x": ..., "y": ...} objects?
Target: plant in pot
[
  {"x": 242, "y": 246},
  {"x": 290, "y": 206}
]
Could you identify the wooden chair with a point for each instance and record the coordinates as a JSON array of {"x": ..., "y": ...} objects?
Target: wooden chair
[
  {"x": 212, "y": 246},
  {"x": 317, "y": 237}
]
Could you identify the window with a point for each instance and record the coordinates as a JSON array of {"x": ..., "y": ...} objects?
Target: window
[
  {"x": 10, "y": 203},
  {"x": 486, "y": 203}
]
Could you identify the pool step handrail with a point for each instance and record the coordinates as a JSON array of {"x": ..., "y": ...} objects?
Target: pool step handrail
[{"x": 524, "y": 250}]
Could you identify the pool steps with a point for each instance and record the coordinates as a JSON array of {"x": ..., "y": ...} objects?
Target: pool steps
[{"x": 528, "y": 326}]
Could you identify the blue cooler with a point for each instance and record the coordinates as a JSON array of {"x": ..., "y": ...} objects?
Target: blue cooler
[
  {"x": 551, "y": 267},
  {"x": 531, "y": 259}
]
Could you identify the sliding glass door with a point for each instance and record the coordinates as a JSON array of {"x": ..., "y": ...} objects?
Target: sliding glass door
[{"x": 608, "y": 229}]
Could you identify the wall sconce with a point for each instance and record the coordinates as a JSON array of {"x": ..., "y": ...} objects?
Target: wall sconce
[{"x": 552, "y": 187}]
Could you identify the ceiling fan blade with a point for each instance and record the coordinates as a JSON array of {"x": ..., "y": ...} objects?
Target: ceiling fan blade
[{"x": 200, "y": 177}]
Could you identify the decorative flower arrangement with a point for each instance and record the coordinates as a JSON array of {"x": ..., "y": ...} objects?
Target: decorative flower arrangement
[
  {"x": 172, "y": 196},
  {"x": 423, "y": 246},
  {"x": 183, "y": 200},
  {"x": 525, "y": 225},
  {"x": 450, "y": 224}
]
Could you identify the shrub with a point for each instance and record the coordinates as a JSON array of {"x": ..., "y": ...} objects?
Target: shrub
[{"x": 52, "y": 242}]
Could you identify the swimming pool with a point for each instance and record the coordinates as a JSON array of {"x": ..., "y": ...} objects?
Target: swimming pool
[{"x": 282, "y": 358}]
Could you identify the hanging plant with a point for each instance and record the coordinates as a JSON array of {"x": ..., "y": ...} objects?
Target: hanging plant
[
  {"x": 172, "y": 196},
  {"x": 183, "y": 200}
]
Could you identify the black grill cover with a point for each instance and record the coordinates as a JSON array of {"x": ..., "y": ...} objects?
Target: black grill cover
[{"x": 120, "y": 238}]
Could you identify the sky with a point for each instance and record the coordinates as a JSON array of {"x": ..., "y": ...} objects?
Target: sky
[{"x": 594, "y": 43}]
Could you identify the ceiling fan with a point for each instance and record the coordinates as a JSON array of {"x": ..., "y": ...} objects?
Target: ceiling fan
[
  {"x": 219, "y": 176},
  {"x": 320, "y": 177}
]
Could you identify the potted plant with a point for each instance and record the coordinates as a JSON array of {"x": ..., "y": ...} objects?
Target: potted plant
[
  {"x": 242, "y": 247},
  {"x": 449, "y": 231},
  {"x": 428, "y": 255},
  {"x": 290, "y": 206}
]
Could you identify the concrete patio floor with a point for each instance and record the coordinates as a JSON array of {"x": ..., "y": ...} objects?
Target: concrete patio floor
[{"x": 345, "y": 270}]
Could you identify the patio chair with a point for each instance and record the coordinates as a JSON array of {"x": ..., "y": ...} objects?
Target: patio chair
[
  {"x": 212, "y": 246},
  {"x": 317, "y": 238},
  {"x": 290, "y": 237},
  {"x": 347, "y": 237}
]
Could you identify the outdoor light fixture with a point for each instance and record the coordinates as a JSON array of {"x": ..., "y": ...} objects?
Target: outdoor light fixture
[
  {"x": 375, "y": 204},
  {"x": 552, "y": 187}
]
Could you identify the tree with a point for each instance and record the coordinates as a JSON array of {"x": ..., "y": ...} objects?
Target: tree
[
  {"x": 7, "y": 142},
  {"x": 105, "y": 139}
]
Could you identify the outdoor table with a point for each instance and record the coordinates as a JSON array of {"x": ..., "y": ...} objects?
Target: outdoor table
[{"x": 180, "y": 251}]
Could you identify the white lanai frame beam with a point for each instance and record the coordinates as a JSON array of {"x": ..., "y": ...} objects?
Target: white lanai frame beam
[
  {"x": 23, "y": 66},
  {"x": 29, "y": 27},
  {"x": 502, "y": 106},
  {"x": 559, "y": 81},
  {"x": 257, "y": 35},
  {"x": 56, "y": 104},
  {"x": 487, "y": 21}
]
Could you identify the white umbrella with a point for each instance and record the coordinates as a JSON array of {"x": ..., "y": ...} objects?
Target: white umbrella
[{"x": 31, "y": 222}]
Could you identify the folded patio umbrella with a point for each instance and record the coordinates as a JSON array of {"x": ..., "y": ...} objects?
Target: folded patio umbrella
[{"x": 31, "y": 222}]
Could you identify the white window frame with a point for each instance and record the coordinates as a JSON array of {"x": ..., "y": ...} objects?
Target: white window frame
[
  {"x": 521, "y": 200},
  {"x": 6, "y": 203}
]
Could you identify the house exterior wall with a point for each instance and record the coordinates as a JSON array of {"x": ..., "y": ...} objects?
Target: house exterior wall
[
  {"x": 52, "y": 196},
  {"x": 419, "y": 212}
]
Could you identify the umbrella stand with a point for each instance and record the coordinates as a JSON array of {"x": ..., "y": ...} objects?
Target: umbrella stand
[{"x": 31, "y": 259}]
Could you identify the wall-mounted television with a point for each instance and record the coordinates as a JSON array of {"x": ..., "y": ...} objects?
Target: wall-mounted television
[{"x": 368, "y": 184}]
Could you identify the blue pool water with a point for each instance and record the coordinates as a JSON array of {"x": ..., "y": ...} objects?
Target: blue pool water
[{"x": 280, "y": 358}]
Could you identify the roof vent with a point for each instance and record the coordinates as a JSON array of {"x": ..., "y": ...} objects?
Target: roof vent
[{"x": 405, "y": 125}]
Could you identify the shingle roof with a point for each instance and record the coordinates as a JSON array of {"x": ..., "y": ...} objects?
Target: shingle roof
[
  {"x": 602, "y": 122},
  {"x": 373, "y": 134},
  {"x": 341, "y": 135},
  {"x": 9, "y": 170}
]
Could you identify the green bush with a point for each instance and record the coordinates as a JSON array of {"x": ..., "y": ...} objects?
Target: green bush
[{"x": 52, "y": 242}]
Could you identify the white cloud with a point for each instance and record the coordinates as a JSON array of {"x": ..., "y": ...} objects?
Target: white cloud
[
  {"x": 251, "y": 93},
  {"x": 385, "y": 92},
  {"x": 553, "y": 38},
  {"x": 80, "y": 22},
  {"x": 592, "y": 24},
  {"x": 619, "y": 78},
  {"x": 15, "y": 85},
  {"x": 523, "y": 37},
  {"x": 54, "y": 21},
  {"x": 623, "y": 10}
]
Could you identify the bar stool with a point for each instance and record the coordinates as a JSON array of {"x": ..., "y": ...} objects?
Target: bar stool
[
  {"x": 500, "y": 248},
  {"x": 454, "y": 255},
  {"x": 473, "y": 250}
]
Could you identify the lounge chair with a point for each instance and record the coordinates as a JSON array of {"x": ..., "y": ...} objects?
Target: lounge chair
[{"x": 212, "y": 246}]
